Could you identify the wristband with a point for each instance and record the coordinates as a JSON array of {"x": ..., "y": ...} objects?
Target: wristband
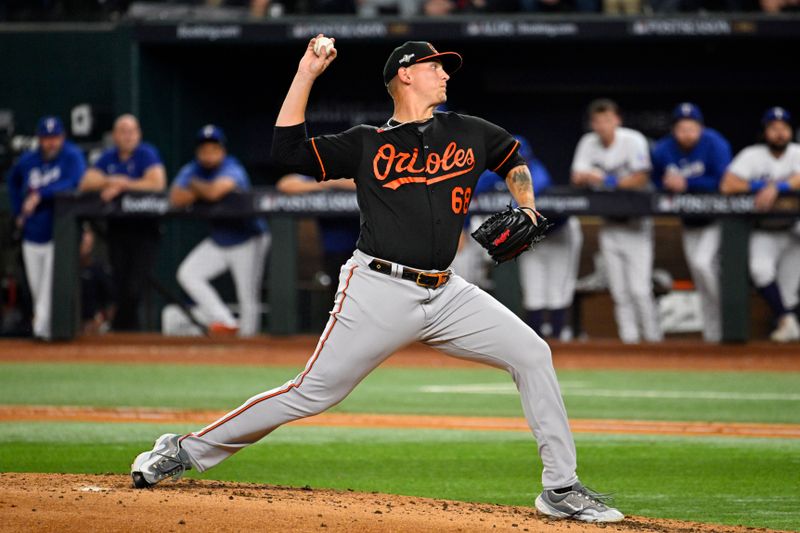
[
  {"x": 756, "y": 186},
  {"x": 783, "y": 186},
  {"x": 610, "y": 181}
]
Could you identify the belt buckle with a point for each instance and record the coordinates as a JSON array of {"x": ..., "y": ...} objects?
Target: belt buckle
[
  {"x": 441, "y": 279},
  {"x": 420, "y": 278}
]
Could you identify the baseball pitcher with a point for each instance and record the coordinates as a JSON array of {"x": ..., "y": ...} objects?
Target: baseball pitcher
[{"x": 414, "y": 176}]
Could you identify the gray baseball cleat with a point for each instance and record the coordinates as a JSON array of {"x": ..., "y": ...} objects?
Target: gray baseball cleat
[
  {"x": 165, "y": 460},
  {"x": 580, "y": 503}
]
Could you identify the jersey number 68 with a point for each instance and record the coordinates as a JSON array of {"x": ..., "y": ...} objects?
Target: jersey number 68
[{"x": 460, "y": 199}]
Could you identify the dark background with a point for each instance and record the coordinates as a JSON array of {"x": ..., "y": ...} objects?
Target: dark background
[{"x": 536, "y": 87}]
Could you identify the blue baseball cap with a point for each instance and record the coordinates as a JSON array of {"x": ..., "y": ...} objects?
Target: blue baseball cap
[
  {"x": 687, "y": 110},
  {"x": 211, "y": 133},
  {"x": 49, "y": 126},
  {"x": 525, "y": 149},
  {"x": 776, "y": 113}
]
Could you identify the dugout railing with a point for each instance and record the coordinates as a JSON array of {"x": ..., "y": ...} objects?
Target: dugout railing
[{"x": 735, "y": 212}]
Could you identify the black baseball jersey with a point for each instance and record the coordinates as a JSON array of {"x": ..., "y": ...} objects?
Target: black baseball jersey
[{"x": 414, "y": 184}]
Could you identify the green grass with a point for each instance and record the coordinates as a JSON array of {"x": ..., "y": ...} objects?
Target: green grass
[
  {"x": 751, "y": 482},
  {"x": 719, "y": 480},
  {"x": 704, "y": 396}
]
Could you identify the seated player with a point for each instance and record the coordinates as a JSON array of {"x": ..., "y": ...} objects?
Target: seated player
[{"x": 238, "y": 245}]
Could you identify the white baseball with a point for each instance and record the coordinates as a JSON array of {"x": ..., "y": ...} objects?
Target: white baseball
[{"x": 322, "y": 46}]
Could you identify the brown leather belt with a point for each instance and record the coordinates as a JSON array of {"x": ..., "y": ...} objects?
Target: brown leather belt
[{"x": 430, "y": 280}]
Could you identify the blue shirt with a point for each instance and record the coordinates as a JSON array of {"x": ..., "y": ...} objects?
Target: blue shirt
[
  {"x": 702, "y": 166},
  {"x": 224, "y": 232},
  {"x": 143, "y": 157},
  {"x": 32, "y": 173}
]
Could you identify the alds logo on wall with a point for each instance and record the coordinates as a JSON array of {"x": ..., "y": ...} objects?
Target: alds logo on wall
[{"x": 389, "y": 162}]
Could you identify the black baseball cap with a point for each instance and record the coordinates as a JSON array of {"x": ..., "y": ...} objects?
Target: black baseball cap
[{"x": 413, "y": 52}]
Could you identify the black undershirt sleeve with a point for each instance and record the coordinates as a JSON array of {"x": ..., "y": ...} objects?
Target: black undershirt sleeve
[
  {"x": 325, "y": 157},
  {"x": 339, "y": 155},
  {"x": 292, "y": 149}
]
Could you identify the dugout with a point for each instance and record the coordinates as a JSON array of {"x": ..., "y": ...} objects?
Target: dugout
[{"x": 533, "y": 75}]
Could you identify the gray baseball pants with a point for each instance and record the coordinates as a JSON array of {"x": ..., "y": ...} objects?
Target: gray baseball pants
[{"x": 373, "y": 316}]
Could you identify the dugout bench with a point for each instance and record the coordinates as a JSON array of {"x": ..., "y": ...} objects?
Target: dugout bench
[{"x": 282, "y": 212}]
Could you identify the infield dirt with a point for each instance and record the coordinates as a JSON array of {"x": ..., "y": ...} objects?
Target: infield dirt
[{"x": 67, "y": 502}]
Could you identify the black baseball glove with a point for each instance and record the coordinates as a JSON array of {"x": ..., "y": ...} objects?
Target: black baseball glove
[{"x": 507, "y": 234}]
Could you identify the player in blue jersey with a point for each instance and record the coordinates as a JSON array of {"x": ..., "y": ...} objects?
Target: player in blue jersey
[
  {"x": 693, "y": 158},
  {"x": 55, "y": 166},
  {"x": 238, "y": 245},
  {"x": 130, "y": 165}
]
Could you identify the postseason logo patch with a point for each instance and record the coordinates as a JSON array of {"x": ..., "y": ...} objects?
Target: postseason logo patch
[{"x": 406, "y": 58}]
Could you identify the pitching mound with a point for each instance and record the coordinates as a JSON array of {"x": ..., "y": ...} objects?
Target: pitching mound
[{"x": 57, "y": 502}]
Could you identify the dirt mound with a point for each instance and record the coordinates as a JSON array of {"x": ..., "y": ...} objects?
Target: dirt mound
[{"x": 58, "y": 502}]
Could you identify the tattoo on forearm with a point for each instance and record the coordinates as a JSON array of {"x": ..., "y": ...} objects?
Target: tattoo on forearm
[{"x": 520, "y": 179}]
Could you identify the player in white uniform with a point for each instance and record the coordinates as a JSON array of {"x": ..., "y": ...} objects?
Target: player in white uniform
[
  {"x": 769, "y": 169},
  {"x": 611, "y": 157},
  {"x": 236, "y": 245},
  {"x": 547, "y": 278}
]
